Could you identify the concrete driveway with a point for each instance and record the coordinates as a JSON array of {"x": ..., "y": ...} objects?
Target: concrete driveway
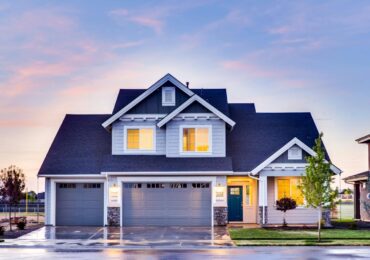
[{"x": 127, "y": 237}]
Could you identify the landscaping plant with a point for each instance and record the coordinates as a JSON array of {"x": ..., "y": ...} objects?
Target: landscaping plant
[
  {"x": 21, "y": 225},
  {"x": 285, "y": 204},
  {"x": 316, "y": 184},
  {"x": 12, "y": 184},
  {"x": 2, "y": 230}
]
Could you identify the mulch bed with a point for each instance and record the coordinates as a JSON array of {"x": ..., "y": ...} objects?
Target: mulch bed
[{"x": 17, "y": 233}]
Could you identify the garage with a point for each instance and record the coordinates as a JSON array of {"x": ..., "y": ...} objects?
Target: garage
[
  {"x": 167, "y": 204},
  {"x": 79, "y": 204}
]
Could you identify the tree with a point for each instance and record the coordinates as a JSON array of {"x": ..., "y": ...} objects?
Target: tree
[
  {"x": 316, "y": 184},
  {"x": 285, "y": 204},
  {"x": 11, "y": 187}
]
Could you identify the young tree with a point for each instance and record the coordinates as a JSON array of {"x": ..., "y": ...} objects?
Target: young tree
[
  {"x": 12, "y": 184},
  {"x": 285, "y": 204},
  {"x": 316, "y": 184}
]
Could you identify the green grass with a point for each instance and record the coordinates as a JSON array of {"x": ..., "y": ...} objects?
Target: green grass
[
  {"x": 299, "y": 237},
  {"x": 346, "y": 220}
]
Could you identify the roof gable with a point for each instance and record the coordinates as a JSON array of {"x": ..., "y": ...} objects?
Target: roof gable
[
  {"x": 146, "y": 93},
  {"x": 190, "y": 101},
  {"x": 282, "y": 150}
]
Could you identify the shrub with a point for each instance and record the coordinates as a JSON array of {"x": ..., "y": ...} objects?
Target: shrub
[
  {"x": 285, "y": 204},
  {"x": 21, "y": 225},
  {"x": 2, "y": 230}
]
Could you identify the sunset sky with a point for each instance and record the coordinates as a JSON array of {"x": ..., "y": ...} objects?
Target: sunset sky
[{"x": 59, "y": 57}]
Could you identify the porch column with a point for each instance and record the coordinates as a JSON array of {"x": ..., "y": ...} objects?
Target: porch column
[{"x": 262, "y": 199}]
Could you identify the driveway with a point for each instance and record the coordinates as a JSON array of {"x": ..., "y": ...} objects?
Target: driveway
[{"x": 127, "y": 237}]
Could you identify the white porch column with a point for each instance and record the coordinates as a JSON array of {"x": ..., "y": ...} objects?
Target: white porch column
[{"x": 262, "y": 198}]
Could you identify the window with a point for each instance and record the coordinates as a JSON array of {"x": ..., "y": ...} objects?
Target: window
[
  {"x": 295, "y": 153},
  {"x": 92, "y": 185},
  {"x": 196, "y": 139},
  {"x": 155, "y": 185},
  {"x": 248, "y": 195},
  {"x": 168, "y": 96},
  {"x": 288, "y": 187},
  {"x": 67, "y": 185},
  {"x": 200, "y": 185},
  {"x": 132, "y": 185},
  {"x": 235, "y": 191},
  {"x": 139, "y": 139},
  {"x": 178, "y": 185}
]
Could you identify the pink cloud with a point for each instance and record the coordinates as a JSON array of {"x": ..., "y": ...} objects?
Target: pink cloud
[
  {"x": 250, "y": 69},
  {"x": 153, "y": 23}
]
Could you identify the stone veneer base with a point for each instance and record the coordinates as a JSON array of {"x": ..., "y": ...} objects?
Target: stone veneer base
[
  {"x": 113, "y": 216},
  {"x": 220, "y": 216}
]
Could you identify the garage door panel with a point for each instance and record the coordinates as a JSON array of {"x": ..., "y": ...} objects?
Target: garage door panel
[
  {"x": 168, "y": 204},
  {"x": 79, "y": 204}
]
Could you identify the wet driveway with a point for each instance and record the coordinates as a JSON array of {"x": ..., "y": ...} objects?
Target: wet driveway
[{"x": 127, "y": 237}]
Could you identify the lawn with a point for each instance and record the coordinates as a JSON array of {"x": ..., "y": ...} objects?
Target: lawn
[{"x": 299, "y": 237}]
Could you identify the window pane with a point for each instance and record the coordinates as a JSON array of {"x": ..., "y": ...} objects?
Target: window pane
[
  {"x": 247, "y": 195},
  {"x": 296, "y": 193},
  {"x": 168, "y": 96},
  {"x": 283, "y": 188},
  {"x": 188, "y": 139},
  {"x": 202, "y": 140},
  {"x": 132, "y": 138},
  {"x": 146, "y": 139}
]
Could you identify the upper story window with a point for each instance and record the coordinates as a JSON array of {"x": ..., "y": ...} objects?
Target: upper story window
[
  {"x": 140, "y": 138},
  {"x": 295, "y": 153},
  {"x": 168, "y": 96},
  {"x": 195, "y": 139}
]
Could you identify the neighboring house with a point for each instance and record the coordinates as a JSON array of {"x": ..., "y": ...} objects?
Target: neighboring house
[
  {"x": 171, "y": 155},
  {"x": 361, "y": 183}
]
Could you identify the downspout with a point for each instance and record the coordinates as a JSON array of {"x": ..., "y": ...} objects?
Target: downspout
[{"x": 263, "y": 198}]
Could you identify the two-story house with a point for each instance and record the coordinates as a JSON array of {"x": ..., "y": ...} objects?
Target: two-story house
[{"x": 171, "y": 155}]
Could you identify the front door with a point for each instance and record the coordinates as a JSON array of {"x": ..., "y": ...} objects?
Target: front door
[{"x": 235, "y": 203}]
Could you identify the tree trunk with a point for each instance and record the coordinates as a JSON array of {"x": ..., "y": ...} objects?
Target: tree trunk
[
  {"x": 319, "y": 224},
  {"x": 10, "y": 217}
]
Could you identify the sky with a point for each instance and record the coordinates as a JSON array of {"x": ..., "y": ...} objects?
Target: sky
[{"x": 72, "y": 57}]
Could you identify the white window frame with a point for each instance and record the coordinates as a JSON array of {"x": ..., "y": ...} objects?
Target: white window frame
[
  {"x": 192, "y": 153},
  {"x": 292, "y": 156},
  {"x": 139, "y": 151},
  {"x": 290, "y": 189},
  {"x": 173, "y": 94}
]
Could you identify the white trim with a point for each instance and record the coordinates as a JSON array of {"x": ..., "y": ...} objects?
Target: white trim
[
  {"x": 53, "y": 183},
  {"x": 195, "y": 153},
  {"x": 173, "y": 96},
  {"x": 294, "y": 141},
  {"x": 188, "y": 103},
  {"x": 169, "y": 173},
  {"x": 71, "y": 176},
  {"x": 212, "y": 180},
  {"x": 139, "y": 151},
  {"x": 142, "y": 117},
  {"x": 150, "y": 90},
  {"x": 286, "y": 166}
]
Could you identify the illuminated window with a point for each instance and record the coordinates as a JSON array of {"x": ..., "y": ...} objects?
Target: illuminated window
[
  {"x": 248, "y": 195},
  {"x": 288, "y": 188},
  {"x": 196, "y": 139},
  {"x": 139, "y": 139}
]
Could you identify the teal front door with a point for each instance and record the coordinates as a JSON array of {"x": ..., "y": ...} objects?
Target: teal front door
[{"x": 235, "y": 203}]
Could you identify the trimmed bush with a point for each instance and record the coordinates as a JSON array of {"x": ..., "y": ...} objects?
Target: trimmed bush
[
  {"x": 285, "y": 204},
  {"x": 21, "y": 225},
  {"x": 2, "y": 230}
]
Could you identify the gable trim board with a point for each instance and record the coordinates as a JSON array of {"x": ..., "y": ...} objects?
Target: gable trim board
[
  {"x": 294, "y": 141},
  {"x": 188, "y": 103},
  {"x": 150, "y": 90}
]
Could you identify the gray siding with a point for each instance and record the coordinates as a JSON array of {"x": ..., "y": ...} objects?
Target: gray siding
[
  {"x": 118, "y": 136},
  {"x": 295, "y": 216},
  {"x": 218, "y": 137},
  {"x": 284, "y": 157},
  {"x": 47, "y": 201}
]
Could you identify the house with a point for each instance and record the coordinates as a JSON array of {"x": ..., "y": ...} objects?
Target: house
[
  {"x": 174, "y": 155},
  {"x": 361, "y": 183}
]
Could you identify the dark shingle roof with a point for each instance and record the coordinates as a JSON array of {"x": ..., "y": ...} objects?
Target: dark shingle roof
[
  {"x": 362, "y": 175},
  {"x": 256, "y": 136},
  {"x": 216, "y": 97},
  {"x": 83, "y": 146}
]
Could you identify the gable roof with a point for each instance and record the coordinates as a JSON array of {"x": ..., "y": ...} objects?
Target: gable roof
[
  {"x": 83, "y": 147},
  {"x": 363, "y": 176},
  {"x": 146, "y": 93},
  {"x": 291, "y": 143},
  {"x": 187, "y": 103},
  {"x": 257, "y": 136},
  {"x": 363, "y": 140}
]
